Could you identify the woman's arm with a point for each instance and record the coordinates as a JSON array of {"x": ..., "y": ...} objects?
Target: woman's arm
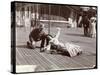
[{"x": 58, "y": 33}]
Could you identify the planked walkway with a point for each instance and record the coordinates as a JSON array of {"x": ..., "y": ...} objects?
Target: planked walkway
[{"x": 47, "y": 62}]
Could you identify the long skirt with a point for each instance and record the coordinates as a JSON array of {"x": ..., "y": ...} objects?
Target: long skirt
[
  {"x": 73, "y": 49},
  {"x": 93, "y": 30}
]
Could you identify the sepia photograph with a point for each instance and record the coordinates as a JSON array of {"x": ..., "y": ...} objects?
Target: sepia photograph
[{"x": 49, "y": 37}]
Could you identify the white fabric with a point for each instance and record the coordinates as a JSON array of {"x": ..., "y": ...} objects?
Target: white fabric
[
  {"x": 93, "y": 26},
  {"x": 73, "y": 49}
]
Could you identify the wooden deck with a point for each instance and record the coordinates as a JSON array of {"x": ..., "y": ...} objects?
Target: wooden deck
[{"x": 48, "y": 62}]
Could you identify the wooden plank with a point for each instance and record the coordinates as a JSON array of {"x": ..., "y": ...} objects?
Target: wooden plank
[
  {"x": 47, "y": 62},
  {"x": 87, "y": 61},
  {"x": 63, "y": 62},
  {"x": 28, "y": 59},
  {"x": 19, "y": 58}
]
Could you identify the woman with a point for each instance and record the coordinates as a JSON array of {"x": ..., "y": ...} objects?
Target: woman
[
  {"x": 68, "y": 48},
  {"x": 93, "y": 27}
]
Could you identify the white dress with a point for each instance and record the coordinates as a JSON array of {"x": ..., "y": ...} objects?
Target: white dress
[
  {"x": 93, "y": 27},
  {"x": 71, "y": 49}
]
